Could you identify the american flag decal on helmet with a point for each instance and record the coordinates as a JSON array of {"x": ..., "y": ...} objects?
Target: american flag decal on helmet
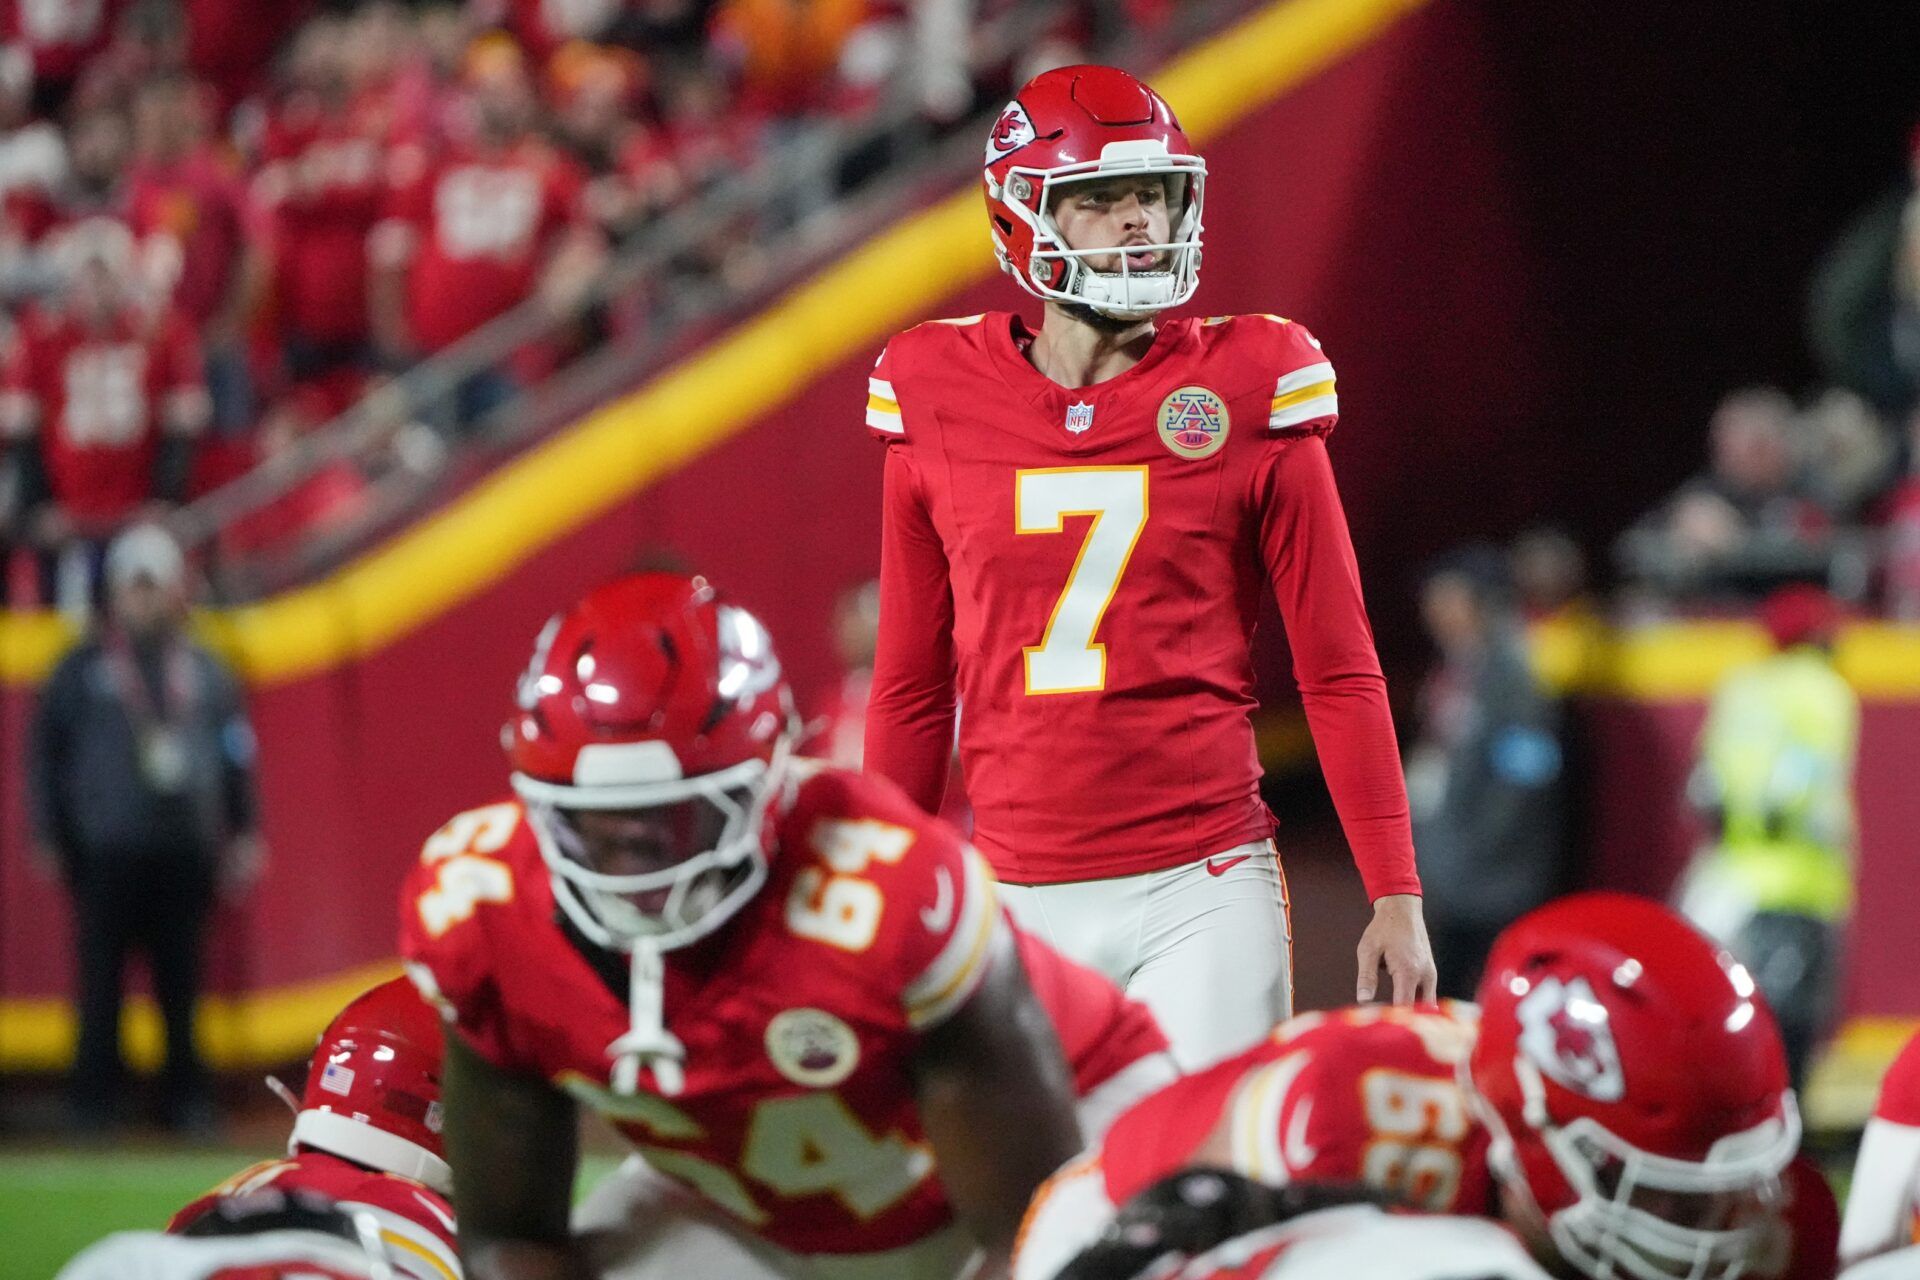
[{"x": 335, "y": 1078}]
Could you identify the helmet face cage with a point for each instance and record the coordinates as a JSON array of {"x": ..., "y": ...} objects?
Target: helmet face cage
[
  {"x": 703, "y": 890},
  {"x": 1621, "y": 1222},
  {"x": 1058, "y": 273}
]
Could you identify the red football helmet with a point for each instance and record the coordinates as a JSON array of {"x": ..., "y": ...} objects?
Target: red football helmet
[
  {"x": 373, "y": 1088},
  {"x": 1635, "y": 1087},
  {"x": 1073, "y": 124},
  {"x": 654, "y": 717}
]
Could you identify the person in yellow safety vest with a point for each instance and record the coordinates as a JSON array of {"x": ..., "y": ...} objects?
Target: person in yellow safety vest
[{"x": 1775, "y": 783}]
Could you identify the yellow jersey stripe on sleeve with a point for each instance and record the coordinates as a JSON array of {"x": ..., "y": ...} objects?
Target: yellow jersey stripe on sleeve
[
  {"x": 436, "y": 1267},
  {"x": 1321, "y": 406},
  {"x": 1255, "y": 1126},
  {"x": 419, "y": 1254},
  {"x": 883, "y": 407},
  {"x": 1312, "y": 392}
]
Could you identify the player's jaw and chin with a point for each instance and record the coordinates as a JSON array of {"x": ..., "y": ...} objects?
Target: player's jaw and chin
[{"x": 670, "y": 873}]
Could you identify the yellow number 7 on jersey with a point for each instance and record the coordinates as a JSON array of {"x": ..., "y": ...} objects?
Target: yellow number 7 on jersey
[{"x": 1067, "y": 660}]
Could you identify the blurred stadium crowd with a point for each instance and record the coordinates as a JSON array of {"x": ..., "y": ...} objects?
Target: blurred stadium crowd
[
  {"x": 223, "y": 223},
  {"x": 1805, "y": 513},
  {"x": 1822, "y": 485}
]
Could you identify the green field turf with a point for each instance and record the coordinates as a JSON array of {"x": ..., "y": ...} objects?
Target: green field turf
[{"x": 52, "y": 1203}]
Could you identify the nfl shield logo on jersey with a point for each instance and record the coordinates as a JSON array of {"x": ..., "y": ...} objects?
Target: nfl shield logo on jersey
[
  {"x": 1564, "y": 1031},
  {"x": 1193, "y": 422},
  {"x": 812, "y": 1047},
  {"x": 1079, "y": 418}
]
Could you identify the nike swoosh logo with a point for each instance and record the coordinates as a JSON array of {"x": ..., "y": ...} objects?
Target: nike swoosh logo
[
  {"x": 1299, "y": 1154},
  {"x": 1220, "y": 866},
  {"x": 938, "y": 916},
  {"x": 436, "y": 1211}
]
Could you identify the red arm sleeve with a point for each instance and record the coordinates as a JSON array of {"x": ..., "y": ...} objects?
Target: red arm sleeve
[
  {"x": 1309, "y": 557},
  {"x": 910, "y": 713}
]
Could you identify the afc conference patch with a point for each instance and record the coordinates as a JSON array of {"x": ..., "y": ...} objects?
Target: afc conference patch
[
  {"x": 1193, "y": 422},
  {"x": 811, "y": 1047}
]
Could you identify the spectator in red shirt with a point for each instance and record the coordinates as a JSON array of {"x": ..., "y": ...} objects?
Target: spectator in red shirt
[
  {"x": 469, "y": 233},
  {"x": 32, "y": 213},
  {"x": 58, "y": 37},
  {"x": 100, "y": 403},
  {"x": 187, "y": 206},
  {"x": 320, "y": 191}
]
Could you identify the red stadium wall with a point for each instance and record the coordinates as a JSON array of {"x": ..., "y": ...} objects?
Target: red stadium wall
[{"x": 1373, "y": 203}]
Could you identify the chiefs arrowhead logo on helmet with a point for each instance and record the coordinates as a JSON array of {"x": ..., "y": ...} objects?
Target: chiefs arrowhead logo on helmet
[
  {"x": 1012, "y": 131},
  {"x": 1564, "y": 1030}
]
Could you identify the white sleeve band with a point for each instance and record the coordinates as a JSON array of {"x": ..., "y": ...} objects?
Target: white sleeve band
[
  {"x": 1305, "y": 376},
  {"x": 1886, "y": 1191},
  {"x": 1254, "y": 1119}
]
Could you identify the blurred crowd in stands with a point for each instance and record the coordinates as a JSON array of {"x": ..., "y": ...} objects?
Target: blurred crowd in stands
[
  {"x": 223, "y": 221},
  {"x": 1824, "y": 487}
]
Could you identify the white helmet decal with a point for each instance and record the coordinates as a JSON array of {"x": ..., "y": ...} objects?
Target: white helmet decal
[
  {"x": 1564, "y": 1031},
  {"x": 1012, "y": 131}
]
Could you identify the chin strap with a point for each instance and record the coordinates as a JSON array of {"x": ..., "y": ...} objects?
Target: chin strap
[{"x": 647, "y": 1043}]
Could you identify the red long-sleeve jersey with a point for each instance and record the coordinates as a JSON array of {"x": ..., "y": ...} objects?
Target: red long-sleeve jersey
[{"x": 1082, "y": 569}]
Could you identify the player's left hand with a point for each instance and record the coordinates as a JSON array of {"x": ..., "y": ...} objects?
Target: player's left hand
[{"x": 1397, "y": 939}]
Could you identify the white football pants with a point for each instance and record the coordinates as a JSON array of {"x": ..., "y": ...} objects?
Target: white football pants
[{"x": 1208, "y": 946}]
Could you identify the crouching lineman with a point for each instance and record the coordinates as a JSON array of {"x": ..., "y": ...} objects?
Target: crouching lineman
[
  {"x": 262, "y": 1235},
  {"x": 1213, "y": 1224},
  {"x": 1620, "y": 1099},
  {"x": 364, "y": 1182},
  {"x": 794, "y": 992},
  {"x": 1883, "y": 1204}
]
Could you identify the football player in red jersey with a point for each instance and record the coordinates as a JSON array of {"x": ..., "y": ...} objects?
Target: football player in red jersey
[
  {"x": 271, "y": 1234},
  {"x": 1213, "y": 1224},
  {"x": 795, "y": 993},
  {"x": 1079, "y": 523},
  {"x": 467, "y": 234},
  {"x": 1621, "y": 1101},
  {"x": 366, "y": 1133},
  {"x": 1883, "y": 1206}
]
